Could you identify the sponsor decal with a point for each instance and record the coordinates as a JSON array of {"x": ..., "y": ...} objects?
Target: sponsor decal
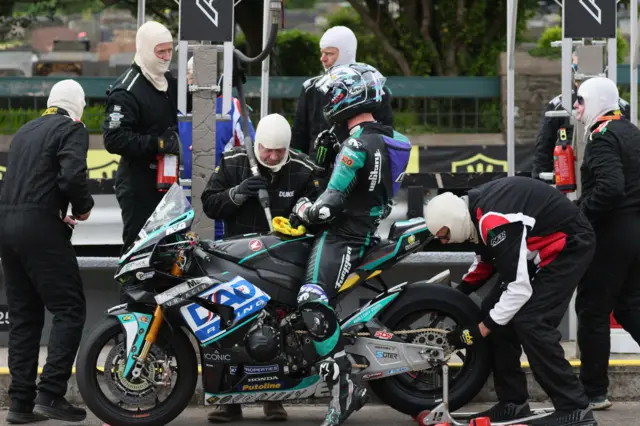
[
  {"x": 384, "y": 335},
  {"x": 346, "y": 160},
  {"x": 217, "y": 357},
  {"x": 261, "y": 387},
  {"x": 372, "y": 376},
  {"x": 398, "y": 370},
  {"x": 255, "y": 245},
  {"x": 263, "y": 369},
  {"x": 262, "y": 379},
  {"x": 386, "y": 355},
  {"x": 144, "y": 275}
]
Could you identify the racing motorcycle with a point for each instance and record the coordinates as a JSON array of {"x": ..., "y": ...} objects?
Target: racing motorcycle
[{"x": 227, "y": 309}]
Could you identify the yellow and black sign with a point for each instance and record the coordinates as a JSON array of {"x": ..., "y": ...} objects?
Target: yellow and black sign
[{"x": 479, "y": 163}]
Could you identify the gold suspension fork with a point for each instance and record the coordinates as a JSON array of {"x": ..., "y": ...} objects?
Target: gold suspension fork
[{"x": 152, "y": 335}]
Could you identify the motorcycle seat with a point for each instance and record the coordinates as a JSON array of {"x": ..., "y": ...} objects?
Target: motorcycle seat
[{"x": 402, "y": 226}]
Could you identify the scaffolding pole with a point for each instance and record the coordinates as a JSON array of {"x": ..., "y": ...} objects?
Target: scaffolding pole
[
  {"x": 264, "y": 89},
  {"x": 512, "y": 14}
]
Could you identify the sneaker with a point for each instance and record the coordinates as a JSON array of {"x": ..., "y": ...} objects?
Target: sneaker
[
  {"x": 600, "y": 403},
  {"x": 274, "y": 412},
  {"x": 58, "y": 408},
  {"x": 226, "y": 413},
  {"x": 21, "y": 414},
  {"x": 506, "y": 411},
  {"x": 346, "y": 396},
  {"x": 580, "y": 417}
]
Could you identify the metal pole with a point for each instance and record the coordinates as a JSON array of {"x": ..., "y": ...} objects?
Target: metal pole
[
  {"x": 183, "y": 50},
  {"x": 634, "y": 62},
  {"x": 264, "y": 90},
  {"x": 511, "y": 105},
  {"x": 141, "y": 12},
  {"x": 612, "y": 58},
  {"x": 227, "y": 81}
]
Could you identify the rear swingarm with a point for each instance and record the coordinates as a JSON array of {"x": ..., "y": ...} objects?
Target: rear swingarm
[{"x": 441, "y": 415}]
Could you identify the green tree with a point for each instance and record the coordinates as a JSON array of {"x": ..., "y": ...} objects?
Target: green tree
[
  {"x": 551, "y": 34},
  {"x": 435, "y": 37}
]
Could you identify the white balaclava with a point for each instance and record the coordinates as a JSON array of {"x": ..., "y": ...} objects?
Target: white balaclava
[
  {"x": 600, "y": 96},
  {"x": 343, "y": 39},
  {"x": 68, "y": 95},
  {"x": 149, "y": 35},
  {"x": 273, "y": 132},
  {"x": 451, "y": 211}
]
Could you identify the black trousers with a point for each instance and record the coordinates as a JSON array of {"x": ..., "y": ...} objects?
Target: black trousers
[
  {"x": 41, "y": 271},
  {"x": 135, "y": 212},
  {"x": 332, "y": 258},
  {"x": 611, "y": 284},
  {"x": 534, "y": 329}
]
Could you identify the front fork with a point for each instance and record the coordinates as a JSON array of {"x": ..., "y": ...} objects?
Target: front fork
[{"x": 141, "y": 333}]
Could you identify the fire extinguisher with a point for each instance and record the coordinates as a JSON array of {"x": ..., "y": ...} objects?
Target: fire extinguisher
[
  {"x": 564, "y": 164},
  {"x": 168, "y": 169}
]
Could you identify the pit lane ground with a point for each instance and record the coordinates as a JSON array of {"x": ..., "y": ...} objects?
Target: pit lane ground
[{"x": 621, "y": 414}]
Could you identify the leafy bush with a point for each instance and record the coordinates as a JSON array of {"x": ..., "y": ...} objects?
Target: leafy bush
[
  {"x": 544, "y": 48},
  {"x": 12, "y": 119}
]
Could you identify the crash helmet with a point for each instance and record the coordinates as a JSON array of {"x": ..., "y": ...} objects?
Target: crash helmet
[{"x": 350, "y": 90}]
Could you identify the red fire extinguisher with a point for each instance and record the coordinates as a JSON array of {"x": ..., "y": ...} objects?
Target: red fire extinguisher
[
  {"x": 168, "y": 169},
  {"x": 564, "y": 164}
]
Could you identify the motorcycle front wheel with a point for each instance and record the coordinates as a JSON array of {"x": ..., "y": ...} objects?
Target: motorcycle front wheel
[{"x": 120, "y": 401}]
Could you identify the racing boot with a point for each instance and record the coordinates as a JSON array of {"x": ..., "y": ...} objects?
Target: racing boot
[
  {"x": 580, "y": 417},
  {"x": 274, "y": 412},
  {"x": 506, "y": 411},
  {"x": 346, "y": 396},
  {"x": 226, "y": 413}
]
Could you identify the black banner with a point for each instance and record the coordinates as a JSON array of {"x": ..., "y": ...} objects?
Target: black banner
[
  {"x": 4, "y": 318},
  {"x": 210, "y": 20},
  {"x": 437, "y": 167},
  {"x": 589, "y": 18}
]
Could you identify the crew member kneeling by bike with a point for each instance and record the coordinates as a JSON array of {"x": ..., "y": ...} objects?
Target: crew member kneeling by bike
[
  {"x": 47, "y": 172},
  {"x": 540, "y": 244},
  {"x": 231, "y": 195},
  {"x": 365, "y": 177}
]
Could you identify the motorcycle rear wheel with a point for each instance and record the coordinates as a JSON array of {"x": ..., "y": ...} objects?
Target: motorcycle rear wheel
[
  {"x": 114, "y": 415},
  {"x": 397, "y": 391}
]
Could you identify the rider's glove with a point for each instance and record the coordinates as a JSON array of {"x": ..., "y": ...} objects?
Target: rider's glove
[
  {"x": 462, "y": 338},
  {"x": 247, "y": 188},
  {"x": 327, "y": 147},
  {"x": 301, "y": 211}
]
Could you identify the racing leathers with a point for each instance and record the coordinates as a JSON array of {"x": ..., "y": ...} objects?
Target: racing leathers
[
  {"x": 540, "y": 244},
  {"x": 366, "y": 176},
  {"x": 137, "y": 114},
  {"x": 548, "y": 133},
  {"x": 309, "y": 120},
  {"x": 46, "y": 172},
  {"x": 611, "y": 201},
  {"x": 294, "y": 180}
]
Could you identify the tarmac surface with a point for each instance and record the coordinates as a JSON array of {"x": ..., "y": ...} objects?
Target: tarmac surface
[{"x": 621, "y": 414}]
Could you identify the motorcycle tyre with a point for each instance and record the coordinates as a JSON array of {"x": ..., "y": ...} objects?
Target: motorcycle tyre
[
  {"x": 97, "y": 402},
  {"x": 456, "y": 305}
]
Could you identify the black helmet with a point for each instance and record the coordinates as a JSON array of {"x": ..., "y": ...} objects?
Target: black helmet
[{"x": 351, "y": 90}]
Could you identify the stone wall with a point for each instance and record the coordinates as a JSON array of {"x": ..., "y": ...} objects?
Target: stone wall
[{"x": 538, "y": 80}]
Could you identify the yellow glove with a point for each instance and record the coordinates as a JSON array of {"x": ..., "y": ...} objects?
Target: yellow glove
[{"x": 282, "y": 225}]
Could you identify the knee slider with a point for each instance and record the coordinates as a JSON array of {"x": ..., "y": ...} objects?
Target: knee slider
[{"x": 312, "y": 293}]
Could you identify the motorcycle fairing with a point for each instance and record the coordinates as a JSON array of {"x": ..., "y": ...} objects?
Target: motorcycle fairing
[
  {"x": 135, "y": 325},
  {"x": 308, "y": 387},
  {"x": 178, "y": 224},
  {"x": 245, "y": 298},
  {"x": 367, "y": 312}
]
